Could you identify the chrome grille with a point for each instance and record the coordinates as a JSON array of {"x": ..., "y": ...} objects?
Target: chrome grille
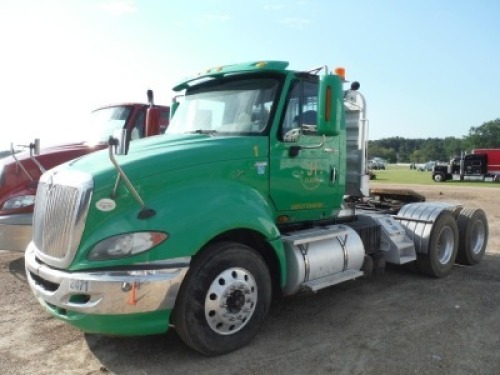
[{"x": 61, "y": 207}]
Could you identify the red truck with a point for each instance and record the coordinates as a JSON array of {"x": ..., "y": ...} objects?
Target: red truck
[
  {"x": 19, "y": 173},
  {"x": 492, "y": 159},
  {"x": 480, "y": 165}
]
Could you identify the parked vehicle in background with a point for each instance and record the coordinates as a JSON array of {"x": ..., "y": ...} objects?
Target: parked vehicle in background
[
  {"x": 425, "y": 166},
  {"x": 376, "y": 163},
  {"x": 20, "y": 172},
  {"x": 480, "y": 165}
]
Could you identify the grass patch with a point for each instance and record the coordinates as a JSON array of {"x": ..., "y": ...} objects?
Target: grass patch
[{"x": 401, "y": 174}]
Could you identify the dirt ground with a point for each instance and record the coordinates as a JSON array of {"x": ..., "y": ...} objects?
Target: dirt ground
[{"x": 397, "y": 323}]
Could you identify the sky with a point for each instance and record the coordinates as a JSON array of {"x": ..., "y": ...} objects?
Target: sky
[{"x": 427, "y": 68}]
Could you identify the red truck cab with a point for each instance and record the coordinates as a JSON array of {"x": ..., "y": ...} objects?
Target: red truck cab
[
  {"x": 19, "y": 173},
  {"x": 493, "y": 159}
]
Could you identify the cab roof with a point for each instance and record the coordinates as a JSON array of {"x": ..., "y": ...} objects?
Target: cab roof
[{"x": 221, "y": 71}]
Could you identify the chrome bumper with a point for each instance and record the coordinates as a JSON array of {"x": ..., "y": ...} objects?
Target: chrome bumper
[
  {"x": 15, "y": 232},
  {"x": 106, "y": 292}
]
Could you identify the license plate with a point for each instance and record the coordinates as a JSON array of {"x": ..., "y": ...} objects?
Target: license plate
[{"x": 82, "y": 286}]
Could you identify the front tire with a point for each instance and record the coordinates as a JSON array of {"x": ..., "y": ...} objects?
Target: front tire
[
  {"x": 443, "y": 247},
  {"x": 473, "y": 236},
  {"x": 223, "y": 300},
  {"x": 438, "y": 177}
]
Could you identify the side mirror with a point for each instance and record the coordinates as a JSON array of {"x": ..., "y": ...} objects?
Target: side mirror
[
  {"x": 330, "y": 105},
  {"x": 152, "y": 117},
  {"x": 120, "y": 142},
  {"x": 36, "y": 146},
  {"x": 174, "y": 105}
]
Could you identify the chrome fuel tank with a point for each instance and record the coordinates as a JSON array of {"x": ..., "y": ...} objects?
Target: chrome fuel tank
[{"x": 320, "y": 252}]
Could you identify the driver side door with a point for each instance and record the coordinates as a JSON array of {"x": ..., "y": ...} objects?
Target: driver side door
[{"x": 304, "y": 183}]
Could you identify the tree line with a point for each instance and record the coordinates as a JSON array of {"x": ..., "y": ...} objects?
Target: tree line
[{"x": 419, "y": 150}]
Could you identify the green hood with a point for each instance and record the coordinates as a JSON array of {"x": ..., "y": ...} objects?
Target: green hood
[{"x": 166, "y": 153}]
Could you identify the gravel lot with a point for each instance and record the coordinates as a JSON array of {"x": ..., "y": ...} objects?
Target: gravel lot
[{"x": 397, "y": 323}]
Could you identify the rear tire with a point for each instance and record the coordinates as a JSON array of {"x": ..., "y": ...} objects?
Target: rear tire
[
  {"x": 473, "y": 236},
  {"x": 443, "y": 247},
  {"x": 223, "y": 299}
]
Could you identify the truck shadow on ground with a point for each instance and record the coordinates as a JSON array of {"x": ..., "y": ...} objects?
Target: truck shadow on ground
[
  {"x": 293, "y": 324},
  {"x": 16, "y": 269},
  {"x": 151, "y": 354}
]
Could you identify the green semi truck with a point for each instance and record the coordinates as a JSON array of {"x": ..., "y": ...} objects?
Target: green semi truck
[{"x": 257, "y": 190}]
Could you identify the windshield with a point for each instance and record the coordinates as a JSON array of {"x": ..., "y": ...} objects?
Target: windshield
[
  {"x": 103, "y": 123},
  {"x": 233, "y": 107}
]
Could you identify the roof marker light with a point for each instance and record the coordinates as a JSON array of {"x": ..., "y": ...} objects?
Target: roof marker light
[{"x": 340, "y": 72}]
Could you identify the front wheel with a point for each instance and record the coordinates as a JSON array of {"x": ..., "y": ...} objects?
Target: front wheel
[
  {"x": 443, "y": 247},
  {"x": 438, "y": 177},
  {"x": 223, "y": 300}
]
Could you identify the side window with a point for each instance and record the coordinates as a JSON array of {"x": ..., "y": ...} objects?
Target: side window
[
  {"x": 301, "y": 112},
  {"x": 139, "y": 125},
  {"x": 309, "y": 108}
]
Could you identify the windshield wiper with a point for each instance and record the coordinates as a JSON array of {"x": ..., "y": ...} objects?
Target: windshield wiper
[{"x": 203, "y": 131}]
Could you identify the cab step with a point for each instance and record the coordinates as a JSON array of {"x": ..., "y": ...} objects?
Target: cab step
[{"x": 326, "y": 281}]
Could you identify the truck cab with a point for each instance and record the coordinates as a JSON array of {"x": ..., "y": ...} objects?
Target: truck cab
[
  {"x": 20, "y": 172},
  {"x": 476, "y": 166},
  {"x": 242, "y": 200}
]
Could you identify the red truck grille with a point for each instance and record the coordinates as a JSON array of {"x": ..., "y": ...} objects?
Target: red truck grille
[{"x": 61, "y": 207}]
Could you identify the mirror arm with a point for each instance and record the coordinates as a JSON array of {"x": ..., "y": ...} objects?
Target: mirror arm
[
  {"x": 35, "y": 150},
  {"x": 145, "y": 212},
  {"x": 18, "y": 163},
  {"x": 294, "y": 150},
  {"x": 312, "y": 147}
]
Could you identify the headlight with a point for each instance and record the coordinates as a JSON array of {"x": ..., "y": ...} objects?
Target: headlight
[
  {"x": 18, "y": 202},
  {"x": 124, "y": 245}
]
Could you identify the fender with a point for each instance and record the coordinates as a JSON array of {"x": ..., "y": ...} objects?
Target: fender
[
  {"x": 418, "y": 220},
  {"x": 192, "y": 214}
]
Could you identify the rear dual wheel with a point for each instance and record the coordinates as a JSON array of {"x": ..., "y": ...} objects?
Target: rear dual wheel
[
  {"x": 473, "y": 235},
  {"x": 443, "y": 247}
]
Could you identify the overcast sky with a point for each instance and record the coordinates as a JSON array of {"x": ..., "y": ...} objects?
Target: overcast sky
[{"x": 427, "y": 68}]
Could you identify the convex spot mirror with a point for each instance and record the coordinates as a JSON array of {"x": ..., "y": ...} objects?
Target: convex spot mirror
[{"x": 120, "y": 141}]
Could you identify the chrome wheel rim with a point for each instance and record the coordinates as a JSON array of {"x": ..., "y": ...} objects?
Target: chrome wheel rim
[
  {"x": 445, "y": 246},
  {"x": 478, "y": 237},
  {"x": 230, "y": 301}
]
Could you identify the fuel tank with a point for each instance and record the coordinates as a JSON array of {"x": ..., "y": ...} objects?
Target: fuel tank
[{"x": 316, "y": 253}]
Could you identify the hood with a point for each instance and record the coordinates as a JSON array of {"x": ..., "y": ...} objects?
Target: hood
[
  {"x": 166, "y": 153},
  {"x": 51, "y": 156}
]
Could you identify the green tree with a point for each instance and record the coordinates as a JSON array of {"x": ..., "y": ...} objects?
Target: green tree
[
  {"x": 452, "y": 147},
  {"x": 433, "y": 149},
  {"x": 485, "y": 136},
  {"x": 376, "y": 150},
  {"x": 417, "y": 156},
  {"x": 419, "y": 150}
]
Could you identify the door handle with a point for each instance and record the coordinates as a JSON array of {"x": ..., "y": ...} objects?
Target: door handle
[{"x": 333, "y": 174}]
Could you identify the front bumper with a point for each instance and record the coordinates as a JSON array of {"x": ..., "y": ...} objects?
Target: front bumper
[
  {"x": 15, "y": 232},
  {"x": 73, "y": 295}
]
